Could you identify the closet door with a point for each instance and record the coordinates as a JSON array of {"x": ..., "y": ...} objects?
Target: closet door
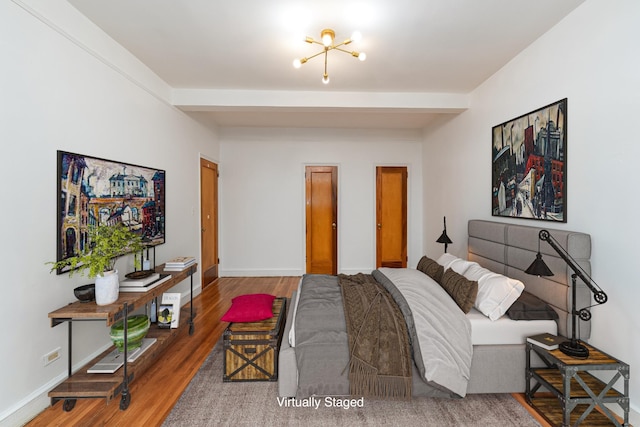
[
  {"x": 391, "y": 216},
  {"x": 321, "y": 206}
]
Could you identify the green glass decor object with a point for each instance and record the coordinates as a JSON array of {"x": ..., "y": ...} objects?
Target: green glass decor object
[{"x": 138, "y": 326}]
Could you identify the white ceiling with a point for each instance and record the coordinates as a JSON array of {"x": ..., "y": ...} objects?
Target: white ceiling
[{"x": 417, "y": 50}]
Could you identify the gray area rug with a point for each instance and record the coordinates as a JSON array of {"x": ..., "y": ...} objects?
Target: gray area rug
[{"x": 208, "y": 401}]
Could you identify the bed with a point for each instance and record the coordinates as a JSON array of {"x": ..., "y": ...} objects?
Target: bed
[{"x": 496, "y": 363}]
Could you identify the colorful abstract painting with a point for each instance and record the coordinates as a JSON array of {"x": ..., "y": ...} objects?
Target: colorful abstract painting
[
  {"x": 93, "y": 191},
  {"x": 529, "y": 160}
]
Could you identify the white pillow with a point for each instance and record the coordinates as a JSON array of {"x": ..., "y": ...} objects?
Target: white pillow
[
  {"x": 453, "y": 262},
  {"x": 496, "y": 293},
  {"x": 475, "y": 272}
]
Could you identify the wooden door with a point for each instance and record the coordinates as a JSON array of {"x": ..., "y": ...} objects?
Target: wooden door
[
  {"x": 321, "y": 219},
  {"x": 209, "y": 221},
  {"x": 391, "y": 216}
]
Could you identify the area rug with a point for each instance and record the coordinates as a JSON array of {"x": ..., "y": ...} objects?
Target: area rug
[{"x": 208, "y": 401}]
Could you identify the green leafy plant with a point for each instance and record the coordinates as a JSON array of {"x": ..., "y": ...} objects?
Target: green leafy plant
[{"x": 107, "y": 243}]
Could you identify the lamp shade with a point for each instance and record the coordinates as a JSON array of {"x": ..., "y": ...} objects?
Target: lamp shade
[
  {"x": 444, "y": 238},
  {"x": 538, "y": 267}
]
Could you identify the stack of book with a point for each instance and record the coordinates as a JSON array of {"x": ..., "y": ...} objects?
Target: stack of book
[
  {"x": 179, "y": 263},
  {"x": 143, "y": 285}
]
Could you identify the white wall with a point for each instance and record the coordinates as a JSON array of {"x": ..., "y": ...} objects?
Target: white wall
[
  {"x": 591, "y": 58},
  {"x": 262, "y": 208},
  {"x": 67, "y": 86},
  {"x": 59, "y": 93}
]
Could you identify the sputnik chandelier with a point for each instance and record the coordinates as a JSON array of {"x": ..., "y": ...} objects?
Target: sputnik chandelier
[{"x": 327, "y": 37}]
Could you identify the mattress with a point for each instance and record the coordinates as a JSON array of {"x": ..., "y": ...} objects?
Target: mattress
[{"x": 484, "y": 331}]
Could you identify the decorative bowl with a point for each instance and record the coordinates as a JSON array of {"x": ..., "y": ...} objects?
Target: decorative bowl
[
  {"x": 140, "y": 274},
  {"x": 138, "y": 326},
  {"x": 85, "y": 293}
]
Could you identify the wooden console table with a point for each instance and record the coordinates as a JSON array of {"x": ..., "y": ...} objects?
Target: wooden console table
[{"x": 82, "y": 384}]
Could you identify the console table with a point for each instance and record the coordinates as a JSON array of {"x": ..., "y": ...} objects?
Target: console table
[
  {"x": 574, "y": 388},
  {"x": 82, "y": 384}
]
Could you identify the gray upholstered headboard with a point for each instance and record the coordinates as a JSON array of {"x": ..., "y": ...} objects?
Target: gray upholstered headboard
[{"x": 509, "y": 249}]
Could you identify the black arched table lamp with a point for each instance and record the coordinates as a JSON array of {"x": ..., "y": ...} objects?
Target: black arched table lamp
[
  {"x": 443, "y": 237},
  {"x": 538, "y": 267}
]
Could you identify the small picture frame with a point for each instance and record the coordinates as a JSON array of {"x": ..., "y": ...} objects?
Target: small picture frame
[
  {"x": 165, "y": 316},
  {"x": 174, "y": 299}
]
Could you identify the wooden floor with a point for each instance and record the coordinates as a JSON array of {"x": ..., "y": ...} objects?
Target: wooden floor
[{"x": 159, "y": 388}]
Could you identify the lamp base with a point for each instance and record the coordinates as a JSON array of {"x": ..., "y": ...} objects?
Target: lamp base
[{"x": 574, "y": 349}]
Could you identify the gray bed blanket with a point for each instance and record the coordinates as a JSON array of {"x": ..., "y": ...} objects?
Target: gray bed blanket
[{"x": 441, "y": 335}]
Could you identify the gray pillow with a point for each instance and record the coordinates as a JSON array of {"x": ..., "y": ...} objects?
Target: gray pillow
[
  {"x": 530, "y": 307},
  {"x": 462, "y": 290},
  {"x": 431, "y": 268}
]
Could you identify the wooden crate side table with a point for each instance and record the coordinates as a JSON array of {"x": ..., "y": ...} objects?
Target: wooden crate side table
[
  {"x": 577, "y": 393},
  {"x": 251, "y": 349}
]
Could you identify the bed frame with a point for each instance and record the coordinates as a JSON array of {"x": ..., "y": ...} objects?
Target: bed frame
[
  {"x": 506, "y": 249},
  {"x": 509, "y": 249}
]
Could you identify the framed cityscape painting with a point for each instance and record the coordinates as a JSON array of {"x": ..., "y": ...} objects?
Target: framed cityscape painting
[
  {"x": 529, "y": 160},
  {"x": 94, "y": 191}
]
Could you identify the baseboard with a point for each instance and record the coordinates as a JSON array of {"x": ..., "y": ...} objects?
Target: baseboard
[
  {"x": 248, "y": 272},
  {"x": 261, "y": 272},
  {"x": 634, "y": 415},
  {"x": 25, "y": 410},
  {"x": 29, "y": 407}
]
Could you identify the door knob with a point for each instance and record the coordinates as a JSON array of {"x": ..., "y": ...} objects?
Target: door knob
[
  {"x": 379, "y": 226},
  {"x": 333, "y": 225}
]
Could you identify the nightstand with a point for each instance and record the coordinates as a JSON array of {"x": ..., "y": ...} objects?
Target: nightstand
[{"x": 575, "y": 392}]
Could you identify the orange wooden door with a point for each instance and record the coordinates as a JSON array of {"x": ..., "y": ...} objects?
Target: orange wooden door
[
  {"x": 209, "y": 220},
  {"x": 321, "y": 219},
  {"x": 391, "y": 216}
]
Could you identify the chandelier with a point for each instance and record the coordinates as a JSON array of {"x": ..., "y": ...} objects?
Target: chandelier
[{"x": 327, "y": 37}]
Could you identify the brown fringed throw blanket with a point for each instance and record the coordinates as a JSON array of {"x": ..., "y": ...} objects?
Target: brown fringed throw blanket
[{"x": 380, "y": 358}]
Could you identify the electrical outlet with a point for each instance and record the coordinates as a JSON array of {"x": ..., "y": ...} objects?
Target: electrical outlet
[{"x": 52, "y": 356}]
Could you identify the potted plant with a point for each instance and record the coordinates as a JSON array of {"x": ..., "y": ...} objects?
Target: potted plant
[{"x": 107, "y": 243}]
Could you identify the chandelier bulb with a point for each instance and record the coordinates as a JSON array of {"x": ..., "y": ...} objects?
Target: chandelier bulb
[
  {"x": 325, "y": 79},
  {"x": 362, "y": 56},
  {"x": 297, "y": 63},
  {"x": 327, "y": 36}
]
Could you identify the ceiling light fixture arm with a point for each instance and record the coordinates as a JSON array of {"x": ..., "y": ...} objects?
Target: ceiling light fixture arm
[{"x": 325, "y": 76}]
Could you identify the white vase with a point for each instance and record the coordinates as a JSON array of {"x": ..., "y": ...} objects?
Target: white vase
[{"x": 107, "y": 287}]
